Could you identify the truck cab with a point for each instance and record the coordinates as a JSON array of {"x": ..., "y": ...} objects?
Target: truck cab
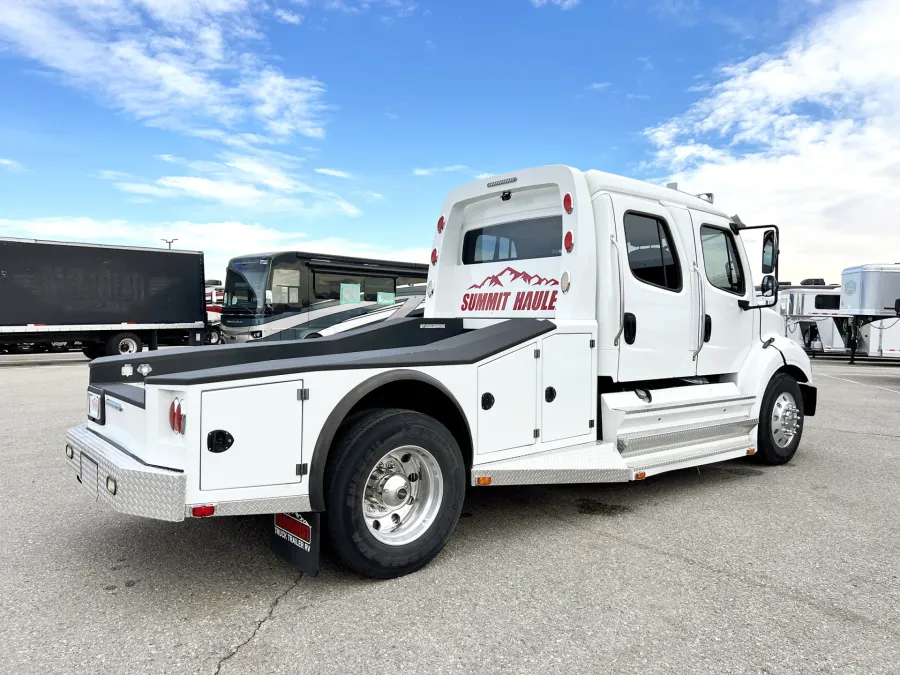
[{"x": 577, "y": 327}]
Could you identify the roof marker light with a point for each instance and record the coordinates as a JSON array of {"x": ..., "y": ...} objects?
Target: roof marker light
[
  {"x": 441, "y": 222},
  {"x": 434, "y": 256},
  {"x": 568, "y": 205}
]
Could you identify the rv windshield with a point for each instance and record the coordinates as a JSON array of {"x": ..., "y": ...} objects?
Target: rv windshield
[{"x": 245, "y": 284}]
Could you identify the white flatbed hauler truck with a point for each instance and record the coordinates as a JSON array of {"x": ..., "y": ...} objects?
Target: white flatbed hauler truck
[{"x": 578, "y": 327}]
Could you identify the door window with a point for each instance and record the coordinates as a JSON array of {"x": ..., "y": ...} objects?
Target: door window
[
  {"x": 651, "y": 257},
  {"x": 723, "y": 266}
]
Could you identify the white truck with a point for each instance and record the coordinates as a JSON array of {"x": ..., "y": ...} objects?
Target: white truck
[{"x": 579, "y": 327}]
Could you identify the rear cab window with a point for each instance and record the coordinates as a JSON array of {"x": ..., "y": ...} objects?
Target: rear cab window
[{"x": 516, "y": 240}]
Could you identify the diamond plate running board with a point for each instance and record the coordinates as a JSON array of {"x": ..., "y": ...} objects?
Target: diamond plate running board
[{"x": 637, "y": 444}]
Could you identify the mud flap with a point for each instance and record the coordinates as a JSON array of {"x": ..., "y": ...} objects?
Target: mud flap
[{"x": 295, "y": 537}]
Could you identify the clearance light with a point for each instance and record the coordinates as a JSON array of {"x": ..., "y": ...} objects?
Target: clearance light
[
  {"x": 434, "y": 256},
  {"x": 483, "y": 480},
  {"x": 751, "y": 451},
  {"x": 640, "y": 475},
  {"x": 203, "y": 511},
  {"x": 429, "y": 289},
  {"x": 568, "y": 205},
  {"x": 441, "y": 224},
  {"x": 564, "y": 282},
  {"x": 569, "y": 242},
  {"x": 111, "y": 486},
  {"x": 178, "y": 416}
]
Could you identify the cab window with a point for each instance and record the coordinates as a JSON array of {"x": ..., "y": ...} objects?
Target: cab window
[
  {"x": 651, "y": 256},
  {"x": 720, "y": 259},
  {"x": 516, "y": 240}
]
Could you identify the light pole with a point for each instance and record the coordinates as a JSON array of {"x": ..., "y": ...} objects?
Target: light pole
[{"x": 169, "y": 241}]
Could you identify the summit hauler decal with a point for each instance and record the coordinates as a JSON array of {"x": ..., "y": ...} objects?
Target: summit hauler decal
[{"x": 504, "y": 292}]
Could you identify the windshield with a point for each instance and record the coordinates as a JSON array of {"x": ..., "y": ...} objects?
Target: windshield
[{"x": 245, "y": 284}]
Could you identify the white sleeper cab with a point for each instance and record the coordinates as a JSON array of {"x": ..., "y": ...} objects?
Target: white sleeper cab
[{"x": 578, "y": 327}]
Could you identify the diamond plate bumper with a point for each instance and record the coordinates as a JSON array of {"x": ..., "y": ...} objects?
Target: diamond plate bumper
[{"x": 141, "y": 490}]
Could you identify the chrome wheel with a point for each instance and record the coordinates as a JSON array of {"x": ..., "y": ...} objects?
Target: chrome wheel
[
  {"x": 785, "y": 420},
  {"x": 402, "y": 495},
  {"x": 214, "y": 337},
  {"x": 128, "y": 346}
]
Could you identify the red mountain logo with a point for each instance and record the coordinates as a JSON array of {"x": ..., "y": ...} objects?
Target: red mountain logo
[{"x": 510, "y": 275}]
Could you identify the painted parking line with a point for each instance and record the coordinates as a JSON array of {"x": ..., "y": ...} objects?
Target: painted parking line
[{"x": 863, "y": 384}]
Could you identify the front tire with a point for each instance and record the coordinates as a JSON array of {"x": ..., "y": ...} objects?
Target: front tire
[
  {"x": 780, "y": 420},
  {"x": 394, "y": 491}
]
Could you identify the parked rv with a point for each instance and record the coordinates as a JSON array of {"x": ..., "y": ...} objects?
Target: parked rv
[
  {"x": 295, "y": 295},
  {"x": 110, "y": 299}
]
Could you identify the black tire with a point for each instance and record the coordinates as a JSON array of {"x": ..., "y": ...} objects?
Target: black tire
[
  {"x": 358, "y": 448},
  {"x": 94, "y": 350},
  {"x": 116, "y": 343},
  {"x": 215, "y": 336},
  {"x": 768, "y": 449}
]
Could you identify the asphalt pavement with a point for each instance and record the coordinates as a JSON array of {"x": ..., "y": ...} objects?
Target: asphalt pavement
[{"x": 730, "y": 568}]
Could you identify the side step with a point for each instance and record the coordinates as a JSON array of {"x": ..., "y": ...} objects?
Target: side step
[
  {"x": 637, "y": 444},
  {"x": 589, "y": 463}
]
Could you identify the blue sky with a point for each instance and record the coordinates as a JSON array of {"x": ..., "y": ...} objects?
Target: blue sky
[{"x": 340, "y": 125}]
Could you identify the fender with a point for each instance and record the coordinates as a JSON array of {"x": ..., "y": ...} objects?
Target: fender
[
  {"x": 764, "y": 360},
  {"x": 341, "y": 410}
]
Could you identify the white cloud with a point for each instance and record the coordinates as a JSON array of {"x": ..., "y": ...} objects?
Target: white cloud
[
  {"x": 286, "y": 16},
  {"x": 805, "y": 136},
  {"x": 10, "y": 165},
  {"x": 482, "y": 176},
  {"x": 176, "y": 64},
  {"x": 429, "y": 44},
  {"x": 598, "y": 86},
  {"x": 224, "y": 191},
  {"x": 440, "y": 169},
  {"x": 219, "y": 241},
  {"x": 562, "y": 4},
  {"x": 646, "y": 62},
  {"x": 335, "y": 173},
  {"x": 145, "y": 189}
]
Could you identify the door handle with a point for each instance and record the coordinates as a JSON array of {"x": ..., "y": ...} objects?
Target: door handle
[
  {"x": 630, "y": 326},
  {"x": 707, "y": 328}
]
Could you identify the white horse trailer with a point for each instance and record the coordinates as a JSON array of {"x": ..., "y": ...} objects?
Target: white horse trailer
[
  {"x": 812, "y": 317},
  {"x": 871, "y": 294}
]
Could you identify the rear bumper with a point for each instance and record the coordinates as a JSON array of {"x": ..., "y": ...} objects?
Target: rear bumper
[{"x": 140, "y": 490}]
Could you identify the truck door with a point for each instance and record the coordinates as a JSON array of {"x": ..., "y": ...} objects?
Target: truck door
[
  {"x": 656, "y": 294},
  {"x": 722, "y": 267}
]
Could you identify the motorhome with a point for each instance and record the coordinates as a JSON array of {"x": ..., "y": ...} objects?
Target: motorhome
[{"x": 293, "y": 295}]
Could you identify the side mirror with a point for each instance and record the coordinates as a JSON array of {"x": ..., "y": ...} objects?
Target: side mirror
[
  {"x": 770, "y": 253},
  {"x": 897, "y": 306},
  {"x": 769, "y": 286}
]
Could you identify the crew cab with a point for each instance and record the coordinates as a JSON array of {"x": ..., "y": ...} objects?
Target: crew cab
[{"x": 578, "y": 327}]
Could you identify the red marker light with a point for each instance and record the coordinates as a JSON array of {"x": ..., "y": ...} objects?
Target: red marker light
[
  {"x": 434, "y": 256},
  {"x": 569, "y": 242},
  {"x": 179, "y": 419},
  {"x": 203, "y": 511},
  {"x": 568, "y": 205},
  {"x": 440, "y": 224},
  {"x": 172, "y": 415}
]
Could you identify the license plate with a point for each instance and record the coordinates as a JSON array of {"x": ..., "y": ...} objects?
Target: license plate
[{"x": 94, "y": 402}]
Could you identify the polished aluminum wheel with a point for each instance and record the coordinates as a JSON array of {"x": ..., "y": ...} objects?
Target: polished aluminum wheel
[
  {"x": 785, "y": 420},
  {"x": 403, "y": 495},
  {"x": 128, "y": 346}
]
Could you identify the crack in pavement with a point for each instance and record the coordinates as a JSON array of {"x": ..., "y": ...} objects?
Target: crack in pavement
[{"x": 259, "y": 625}]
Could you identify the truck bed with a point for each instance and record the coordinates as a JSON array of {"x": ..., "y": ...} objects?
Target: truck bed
[{"x": 394, "y": 344}]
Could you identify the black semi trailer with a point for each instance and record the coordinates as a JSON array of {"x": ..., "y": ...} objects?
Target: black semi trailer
[{"x": 110, "y": 299}]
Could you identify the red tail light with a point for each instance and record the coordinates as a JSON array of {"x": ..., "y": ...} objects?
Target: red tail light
[
  {"x": 203, "y": 511},
  {"x": 567, "y": 203},
  {"x": 434, "y": 256},
  {"x": 440, "y": 224},
  {"x": 569, "y": 242},
  {"x": 177, "y": 416}
]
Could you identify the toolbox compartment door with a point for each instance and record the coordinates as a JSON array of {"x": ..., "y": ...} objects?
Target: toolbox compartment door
[{"x": 263, "y": 424}]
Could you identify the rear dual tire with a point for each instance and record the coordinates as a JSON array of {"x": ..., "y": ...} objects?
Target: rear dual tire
[{"x": 394, "y": 491}]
